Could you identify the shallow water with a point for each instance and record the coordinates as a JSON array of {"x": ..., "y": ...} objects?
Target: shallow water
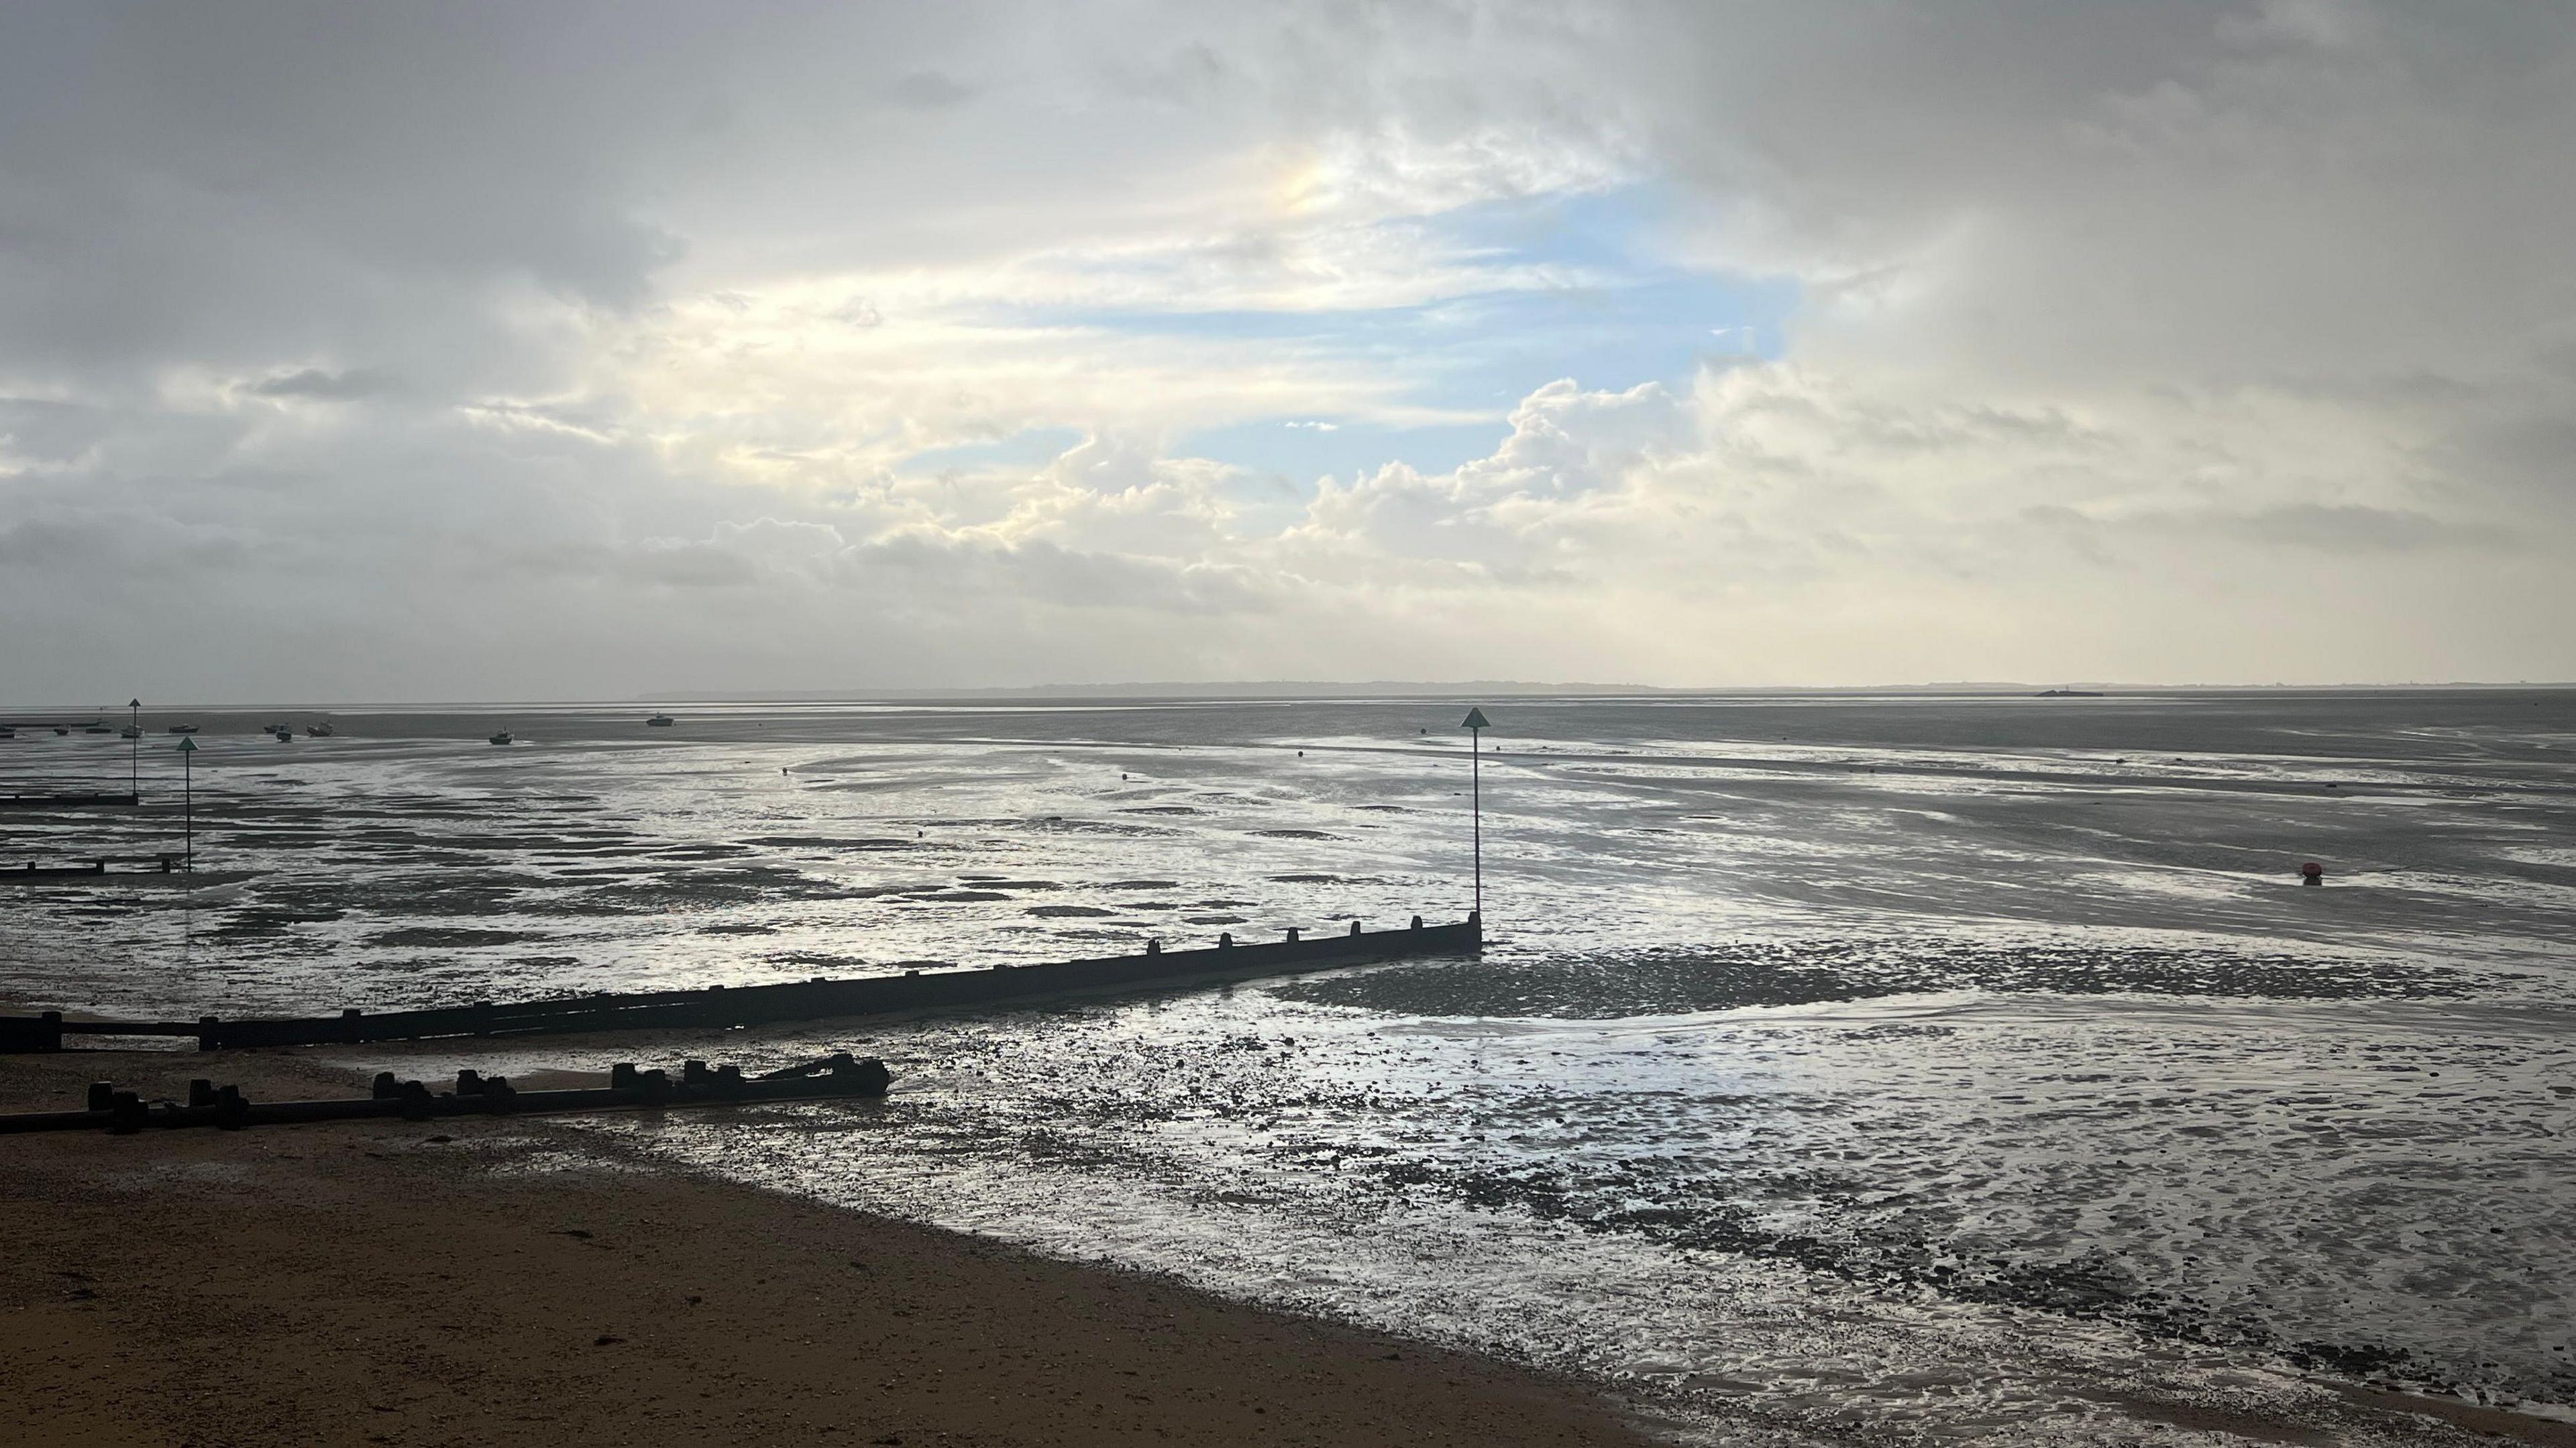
[{"x": 1964, "y": 1064}]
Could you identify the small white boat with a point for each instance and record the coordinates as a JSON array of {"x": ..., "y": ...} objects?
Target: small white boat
[{"x": 501, "y": 738}]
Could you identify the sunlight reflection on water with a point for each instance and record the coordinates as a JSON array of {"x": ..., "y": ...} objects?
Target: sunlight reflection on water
[{"x": 1872, "y": 1070}]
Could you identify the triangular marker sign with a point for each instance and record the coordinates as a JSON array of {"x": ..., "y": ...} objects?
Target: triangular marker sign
[
  {"x": 1476, "y": 720},
  {"x": 187, "y": 746}
]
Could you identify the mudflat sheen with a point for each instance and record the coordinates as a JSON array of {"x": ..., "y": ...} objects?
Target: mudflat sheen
[{"x": 1957, "y": 1063}]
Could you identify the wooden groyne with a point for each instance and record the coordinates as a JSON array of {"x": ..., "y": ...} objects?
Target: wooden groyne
[
  {"x": 161, "y": 864},
  {"x": 722, "y": 1007},
  {"x": 123, "y": 1112},
  {"x": 66, "y": 801}
]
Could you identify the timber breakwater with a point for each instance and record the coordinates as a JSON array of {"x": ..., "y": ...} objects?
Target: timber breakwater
[
  {"x": 722, "y": 1007},
  {"x": 840, "y": 1076}
]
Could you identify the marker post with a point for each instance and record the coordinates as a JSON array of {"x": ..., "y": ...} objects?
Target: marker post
[
  {"x": 1476, "y": 726},
  {"x": 188, "y": 797}
]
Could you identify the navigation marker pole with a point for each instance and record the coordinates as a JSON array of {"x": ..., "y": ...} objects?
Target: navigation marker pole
[
  {"x": 188, "y": 796},
  {"x": 134, "y": 750},
  {"x": 1475, "y": 726}
]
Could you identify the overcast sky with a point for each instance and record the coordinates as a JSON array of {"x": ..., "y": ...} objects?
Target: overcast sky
[{"x": 377, "y": 352}]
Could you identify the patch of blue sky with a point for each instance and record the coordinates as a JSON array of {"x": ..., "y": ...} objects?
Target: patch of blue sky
[
  {"x": 1606, "y": 305},
  {"x": 1603, "y": 302}
]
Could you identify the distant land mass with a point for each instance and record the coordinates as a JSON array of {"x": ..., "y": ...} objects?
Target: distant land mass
[
  {"x": 1238, "y": 689},
  {"x": 1508, "y": 688},
  {"x": 1331, "y": 689}
]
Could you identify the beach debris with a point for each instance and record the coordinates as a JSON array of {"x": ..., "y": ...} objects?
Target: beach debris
[{"x": 835, "y": 1077}]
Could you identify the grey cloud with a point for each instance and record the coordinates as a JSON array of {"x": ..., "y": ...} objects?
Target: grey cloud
[
  {"x": 690, "y": 565},
  {"x": 2349, "y": 528},
  {"x": 2087, "y": 257},
  {"x": 2335, "y": 529},
  {"x": 928, "y": 90},
  {"x": 315, "y": 384}
]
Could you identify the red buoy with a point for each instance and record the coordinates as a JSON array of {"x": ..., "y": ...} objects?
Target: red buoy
[{"x": 2312, "y": 873}]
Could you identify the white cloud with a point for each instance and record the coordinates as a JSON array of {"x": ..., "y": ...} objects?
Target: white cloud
[{"x": 587, "y": 350}]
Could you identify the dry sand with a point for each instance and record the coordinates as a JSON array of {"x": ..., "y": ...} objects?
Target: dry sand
[{"x": 504, "y": 1282}]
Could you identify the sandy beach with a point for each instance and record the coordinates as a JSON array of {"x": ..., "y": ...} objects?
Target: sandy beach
[
  {"x": 481, "y": 1282},
  {"x": 487, "y": 1282}
]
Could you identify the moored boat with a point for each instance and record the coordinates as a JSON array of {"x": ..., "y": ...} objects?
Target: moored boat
[
  {"x": 319, "y": 731},
  {"x": 660, "y": 721},
  {"x": 183, "y": 728},
  {"x": 501, "y": 738}
]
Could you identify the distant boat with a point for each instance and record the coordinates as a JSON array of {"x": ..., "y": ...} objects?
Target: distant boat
[
  {"x": 2068, "y": 694},
  {"x": 130, "y": 731},
  {"x": 660, "y": 721},
  {"x": 59, "y": 729},
  {"x": 501, "y": 738},
  {"x": 319, "y": 731},
  {"x": 8, "y": 731},
  {"x": 96, "y": 729},
  {"x": 283, "y": 733},
  {"x": 183, "y": 728}
]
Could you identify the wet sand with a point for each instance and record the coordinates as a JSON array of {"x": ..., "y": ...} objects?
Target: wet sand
[
  {"x": 483, "y": 1282},
  {"x": 499, "y": 1282}
]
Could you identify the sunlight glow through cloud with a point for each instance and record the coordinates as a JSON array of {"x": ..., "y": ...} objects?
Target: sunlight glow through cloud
[{"x": 1650, "y": 343}]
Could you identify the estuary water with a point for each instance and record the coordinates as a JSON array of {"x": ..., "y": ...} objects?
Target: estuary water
[{"x": 1897, "y": 1068}]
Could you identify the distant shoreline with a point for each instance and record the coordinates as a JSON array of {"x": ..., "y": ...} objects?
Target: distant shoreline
[{"x": 46, "y": 714}]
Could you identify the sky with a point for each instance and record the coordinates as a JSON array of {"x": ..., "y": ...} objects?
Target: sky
[{"x": 576, "y": 350}]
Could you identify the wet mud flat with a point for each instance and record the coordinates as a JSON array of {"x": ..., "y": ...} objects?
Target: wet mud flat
[{"x": 1987, "y": 1068}]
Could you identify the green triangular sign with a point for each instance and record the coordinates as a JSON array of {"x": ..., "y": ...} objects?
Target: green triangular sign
[
  {"x": 187, "y": 746},
  {"x": 1476, "y": 720}
]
